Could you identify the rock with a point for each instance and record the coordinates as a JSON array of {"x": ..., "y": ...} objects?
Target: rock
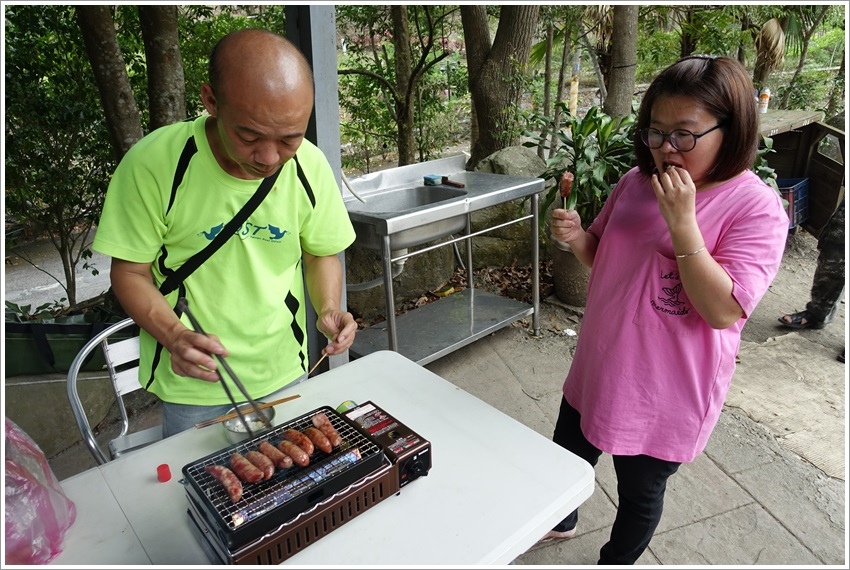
[
  {"x": 511, "y": 243},
  {"x": 515, "y": 161}
]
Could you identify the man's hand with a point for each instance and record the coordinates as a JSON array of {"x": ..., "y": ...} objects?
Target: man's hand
[
  {"x": 339, "y": 328},
  {"x": 192, "y": 355}
]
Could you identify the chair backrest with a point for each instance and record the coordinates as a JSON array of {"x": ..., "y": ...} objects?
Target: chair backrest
[{"x": 121, "y": 354}]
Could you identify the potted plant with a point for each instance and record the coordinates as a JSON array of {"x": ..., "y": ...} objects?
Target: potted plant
[
  {"x": 46, "y": 340},
  {"x": 597, "y": 149}
]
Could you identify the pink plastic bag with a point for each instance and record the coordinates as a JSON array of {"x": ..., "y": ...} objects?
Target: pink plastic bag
[{"x": 37, "y": 511}]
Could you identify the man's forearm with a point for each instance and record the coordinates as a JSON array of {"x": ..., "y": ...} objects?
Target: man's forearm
[
  {"x": 133, "y": 286},
  {"x": 324, "y": 282}
]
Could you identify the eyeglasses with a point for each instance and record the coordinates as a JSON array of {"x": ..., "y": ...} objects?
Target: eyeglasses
[{"x": 680, "y": 139}]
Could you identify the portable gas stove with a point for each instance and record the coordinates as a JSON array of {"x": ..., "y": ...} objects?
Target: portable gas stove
[{"x": 278, "y": 518}]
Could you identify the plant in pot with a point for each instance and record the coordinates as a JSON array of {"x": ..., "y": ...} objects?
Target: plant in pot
[{"x": 597, "y": 149}]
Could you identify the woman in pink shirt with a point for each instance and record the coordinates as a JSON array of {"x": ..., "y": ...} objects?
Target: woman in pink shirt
[{"x": 682, "y": 252}]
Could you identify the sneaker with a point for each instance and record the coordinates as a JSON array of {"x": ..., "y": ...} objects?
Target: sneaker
[{"x": 558, "y": 535}]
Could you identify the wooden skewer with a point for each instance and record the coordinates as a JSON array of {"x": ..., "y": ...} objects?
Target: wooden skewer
[
  {"x": 232, "y": 415},
  {"x": 317, "y": 363}
]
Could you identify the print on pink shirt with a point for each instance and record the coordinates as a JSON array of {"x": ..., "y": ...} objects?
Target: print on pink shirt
[{"x": 672, "y": 304}]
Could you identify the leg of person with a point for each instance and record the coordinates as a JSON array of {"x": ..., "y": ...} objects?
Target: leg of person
[
  {"x": 641, "y": 484},
  {"x": 180, "y": 417},
  {"x": 569, "y": 436},
  {"x": 828, "y": 283}
]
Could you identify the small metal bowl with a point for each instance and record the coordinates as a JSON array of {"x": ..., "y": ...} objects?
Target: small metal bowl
[{"x": 234, "y": 430}]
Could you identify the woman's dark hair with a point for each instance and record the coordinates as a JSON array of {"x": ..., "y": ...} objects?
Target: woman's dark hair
[{"x": 723, "y": 87}]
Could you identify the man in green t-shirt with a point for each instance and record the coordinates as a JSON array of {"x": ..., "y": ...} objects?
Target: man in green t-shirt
[{"x": 174, "y": 192}]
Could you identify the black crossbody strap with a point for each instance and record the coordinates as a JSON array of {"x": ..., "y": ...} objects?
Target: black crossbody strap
[
  {"x": 189, "y": 151},
  {"x": 175, "y": 279}
]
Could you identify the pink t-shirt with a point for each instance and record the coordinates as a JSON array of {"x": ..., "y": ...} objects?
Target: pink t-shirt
[{"x": 649, "y": 375}]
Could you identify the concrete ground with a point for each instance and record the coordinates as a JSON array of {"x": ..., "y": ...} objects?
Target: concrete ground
[{"x": 770, "y": 488}]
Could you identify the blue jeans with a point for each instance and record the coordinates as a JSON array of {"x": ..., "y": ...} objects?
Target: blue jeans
[
  {"x": 180, "y": 417},
  {"x": 641, "y": 484}
]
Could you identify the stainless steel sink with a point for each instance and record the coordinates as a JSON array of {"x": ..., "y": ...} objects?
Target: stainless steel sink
[
  {"x": 398, "y": 206},
  {"x": 404, "y": 199},
  {"x": 419, "y": 203}
]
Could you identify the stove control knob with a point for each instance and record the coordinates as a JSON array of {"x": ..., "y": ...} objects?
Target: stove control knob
[{"x": 417, "y": 468}]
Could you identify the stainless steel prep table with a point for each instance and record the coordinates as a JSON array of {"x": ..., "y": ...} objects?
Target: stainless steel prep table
[
  {"x": 436, "y": 329},
  {"x": 495, "y": 487}
]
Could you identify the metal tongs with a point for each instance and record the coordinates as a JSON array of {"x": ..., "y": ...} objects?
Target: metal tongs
[{"x": 183, "y": 306}]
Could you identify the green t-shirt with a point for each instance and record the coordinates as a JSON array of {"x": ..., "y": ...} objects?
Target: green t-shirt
[{"x": 250, "y": 293}]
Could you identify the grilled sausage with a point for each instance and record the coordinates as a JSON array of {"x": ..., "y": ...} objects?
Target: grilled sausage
[
  {"x": 262, "y": 463},
  {"x": 228, "y": 480},
  {"x": 298, "y": 455},
  {"x": 322, "y": 422},
  {"x": 319, "y": 439},
  {"x": 279, "y": 458},
  {"x": 320, "y": 418},
  {"x": 300, "y": 440},
  {"x": 566, "y": 184},
  {"x": 244, "y": 469}
]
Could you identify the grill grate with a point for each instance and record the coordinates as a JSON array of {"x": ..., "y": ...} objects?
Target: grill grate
[{"x": 289, "y": 492}]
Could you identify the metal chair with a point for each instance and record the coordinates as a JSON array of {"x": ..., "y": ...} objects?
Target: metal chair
[{"x": 122, "y": 363}]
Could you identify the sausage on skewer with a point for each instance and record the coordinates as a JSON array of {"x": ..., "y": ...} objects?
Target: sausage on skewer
[
  {"x": 322, "y": 422},
  {"x": 228, "y": 480},
  {"x": 244, "y": 469},
  {"x": 300, "y": 440},
  {"x": 319, "y": 439},
  {"x": 262, "y": 463},
  {"x": 565, "y": 187},
  {"x": 279, "y": 458},
  {"x": 298, "y": 455}
]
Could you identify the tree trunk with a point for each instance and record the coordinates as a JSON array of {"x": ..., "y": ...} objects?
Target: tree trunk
[
  {"x": 595, "y": 58},
  {"x": 404, "y": 86},
  {"x": 547, "y": 85},
  {"x": 687, "y": 42},
  {"x": 807, "y": 37},
  {"x": 493, "y": 70},
  {"x": 477, "y": 39},
  {"x": 836, "y": 94},
  {"x": 559, "y": 95},
  {"x": 742, "y": 49},
  {"x": 110, "y": 75},
  {"x": 621, "y": 85},
  {"x": 166, "y": 87}
]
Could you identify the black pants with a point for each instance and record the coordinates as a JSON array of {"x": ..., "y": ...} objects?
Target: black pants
[{"x": 641, "y": 483}]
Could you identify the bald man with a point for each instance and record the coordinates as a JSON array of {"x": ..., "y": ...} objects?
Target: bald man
[{"x": 176, "y": 190}]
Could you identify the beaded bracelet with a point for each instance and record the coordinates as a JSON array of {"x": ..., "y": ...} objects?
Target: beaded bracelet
[{"x": 690, "y": 254}]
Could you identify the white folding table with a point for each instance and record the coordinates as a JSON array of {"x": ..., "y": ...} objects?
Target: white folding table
[{"x": 495, "y": 486}]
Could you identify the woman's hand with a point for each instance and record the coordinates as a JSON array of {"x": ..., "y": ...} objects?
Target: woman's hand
[
  {"x": 566, "y": 225},
  {"x": 676, "y": 195}
]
